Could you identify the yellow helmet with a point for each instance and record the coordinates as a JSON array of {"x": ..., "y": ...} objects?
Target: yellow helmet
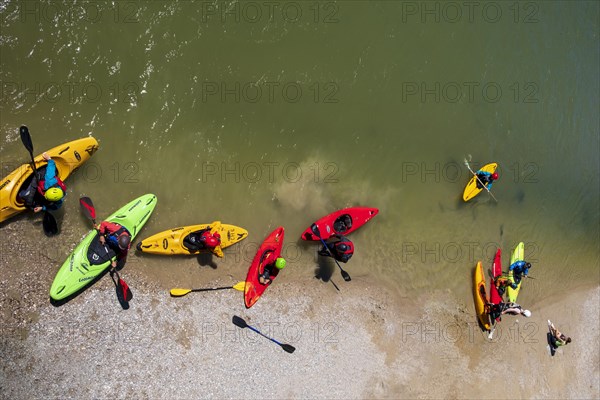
[{"x": 54, "y": 194}]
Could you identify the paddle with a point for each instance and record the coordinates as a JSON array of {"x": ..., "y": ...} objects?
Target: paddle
[
  {"x": 182, "y": 292},
  {"x": 49, "y": 222},
  {"x": 88, "y": 208},
  {"x": 123, "y": 292},
  {"x": 242, "y": 324},
  {"x": 315, "y": 230},
  {"x": 474, "y": 174}
]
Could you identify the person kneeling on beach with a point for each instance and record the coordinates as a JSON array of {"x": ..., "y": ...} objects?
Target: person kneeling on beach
[
  {"x": 496, "y": 310},
  {"x": 118, "y": 239},
  {"x": 520, "y": 270},
  {"x": 340, "y": 247},
  {"x": 271, "y": 269},
  {"x": 205, "y": 239}
]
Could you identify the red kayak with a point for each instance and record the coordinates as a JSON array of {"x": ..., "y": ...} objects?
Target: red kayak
[
  {"x": 495, "y": 297},
  {"x": 341, "y": 222},
  {"x": 267, "y": 253}
]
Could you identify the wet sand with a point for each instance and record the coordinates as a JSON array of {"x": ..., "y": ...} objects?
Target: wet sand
[{"x": 361, "y": 342}]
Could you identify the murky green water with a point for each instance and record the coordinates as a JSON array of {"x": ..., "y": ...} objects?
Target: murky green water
[{"x": 275, "y": 113}]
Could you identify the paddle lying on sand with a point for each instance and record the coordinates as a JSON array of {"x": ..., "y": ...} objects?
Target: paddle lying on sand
[
  {"x": 316, "y": 231},
  {"x": 479, "y": 180},
  {"x": 182, "y": 292},
  {"x": 124, "y": 294},
  {"x": 242, "y": 324},
  {"x": 49, "y": 222}
]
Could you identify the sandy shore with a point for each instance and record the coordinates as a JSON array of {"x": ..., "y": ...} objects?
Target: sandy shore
[{"x": 361, "y": 342}]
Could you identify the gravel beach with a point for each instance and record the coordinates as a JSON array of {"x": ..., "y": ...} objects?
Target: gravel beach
[{"x": 360, "y": 342}]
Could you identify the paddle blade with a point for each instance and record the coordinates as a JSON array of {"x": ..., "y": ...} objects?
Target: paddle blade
[
  {"x": 289, "y": 348},
  {"x": 240, "y": 286},
  {"x": 315, "y": 230},
  {"x": 88, "y": 207},
  {"x": 127, "y": 294},
  {"x": 346, "y": 276},
  {"x": 26, "y": 138},
  {"x": 239, "y": 322},
  {"x": 49, "y": 224},
  {"x": 179, "y": 292}
]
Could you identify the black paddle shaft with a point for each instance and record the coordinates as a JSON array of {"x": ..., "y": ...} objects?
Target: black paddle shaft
[{"x": 242, "y": 324}]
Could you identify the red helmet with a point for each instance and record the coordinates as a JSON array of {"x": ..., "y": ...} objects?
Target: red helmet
[
  {"x": 212, "y": 241},
  {"x": 495, "y": 176}
]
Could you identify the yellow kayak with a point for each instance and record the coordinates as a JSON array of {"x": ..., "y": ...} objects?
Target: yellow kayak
[
  {"x": 480, "y": 296},
  {"x": 171, "y": 241},
  {"x": 471, "y": 190},
  {"x": 68, "y": 158}
]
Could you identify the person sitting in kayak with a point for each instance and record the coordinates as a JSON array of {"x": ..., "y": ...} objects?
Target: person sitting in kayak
[
  {"x": 485, "y": 178},
  {"x": 271, "y": 268},
  {"x": 47, "y": 193},
  {"x": 204, "y": 239},
  {"x": 496, "y": 310},
  {"x": 342, "y": 223},
  {"x": 340, "y": 247},
  {"x": 520, "y": 269},
  {"x": 118, "y": 239}
]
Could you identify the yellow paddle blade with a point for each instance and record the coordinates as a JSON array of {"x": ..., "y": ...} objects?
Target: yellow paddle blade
[
  {"x": 240, "y": 286},
  {"x": 179, "y": 292}
]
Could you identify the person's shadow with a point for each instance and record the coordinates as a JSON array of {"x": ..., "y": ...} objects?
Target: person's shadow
[
  {"x": 205, "y": 259},
  {"x": 551, "y": 343}
]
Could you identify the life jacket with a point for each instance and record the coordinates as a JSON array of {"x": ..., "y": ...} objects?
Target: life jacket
[
  {"x": 210, "y": 240},
  {"x": 344, "y": 249},
  {"x": 112, "y": 231},
  {"x": 42, "y": 191}
]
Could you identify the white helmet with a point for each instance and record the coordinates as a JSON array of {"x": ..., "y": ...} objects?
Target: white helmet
[{"x": 527, "y": 313}]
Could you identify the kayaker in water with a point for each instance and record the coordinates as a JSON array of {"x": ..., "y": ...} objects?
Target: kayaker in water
[
  {"x": 205, "y": 239},
  {"x": 269, "y": 269},
  {"x": 340, "y": 246},
  {"x": 47, "y": 193},
  {"x": 486, "y": 178},
  {"x": 520, "y": 269},
  {"x": 118, "y": 239},
  {"x": 496, "y": 310}
]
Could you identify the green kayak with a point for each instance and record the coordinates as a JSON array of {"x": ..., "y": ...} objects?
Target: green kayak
[{"x": 89, "y": 259}]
